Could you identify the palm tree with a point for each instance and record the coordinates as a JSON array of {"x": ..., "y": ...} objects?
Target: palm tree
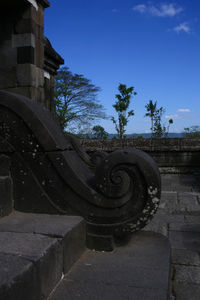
[{"x": 151, "y": 109}]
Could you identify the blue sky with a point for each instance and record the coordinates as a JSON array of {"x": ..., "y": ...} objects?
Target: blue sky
[{"x": 151, "y": 45}]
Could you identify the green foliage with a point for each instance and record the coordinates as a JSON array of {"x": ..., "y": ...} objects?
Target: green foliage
[
  {"x": 158, "y": 130},
  {"x": 121, "y": 106},
  {"x": 75, "y": 100},
  {"x": 99, "y": 132},
  {"x": 139, "y": 137},
  {"x": 192, "y": 132}
]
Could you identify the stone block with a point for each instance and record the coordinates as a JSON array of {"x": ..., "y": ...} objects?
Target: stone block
[
  {"x": 4, "y": 165},
  {"x": 39, "y": 54},
  {"x": 187, "y": 274},
  {"x": 25, "y": 26},
  {"x": 185, "y": 240},
  {"x": 188, "y": 202},
  {"x": 23, "y": 40},
  {"x": 159, "y": 227},
  {"x": 44, "y": 252},
  {"x": 26, "y": 75},
  {"x": 191, "y": 219},
  {"x": 70, "y": 229},
  {"x": 185, "y": 257},
  {"x": 30, "y": 13},
  {"x": 8, "y": 57},
  {"x": 26, "y": 55},
  {"x": 169, "y": 202},
  {"x": 29, "y": 92},
  {"x": 39, "y": 77},
  {"x": 40, "y": 96},
  {"x": 185, "y": 227},
  {"x": 186, "y": 291},
  {"x": 18, "y": 279},
  {"x": 8, "y": 78},
  {"x": 39, "y": 18}
]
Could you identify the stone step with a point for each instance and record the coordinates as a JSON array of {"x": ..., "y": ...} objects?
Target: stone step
[
  {"x": 36, "y": 250},
  {"x": 139, "y": 270}
]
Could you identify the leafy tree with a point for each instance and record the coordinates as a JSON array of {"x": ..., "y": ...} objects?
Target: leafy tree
[
  {"x": 158, "y": 130},
  {"x": 192, "y": 132},
  {"x": 121, "y": 106},
  {"x": 99, "y": 132},
  {"x": 75, "y": 100}
]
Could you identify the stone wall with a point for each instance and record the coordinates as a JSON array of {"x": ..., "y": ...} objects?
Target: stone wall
[
  {"x": 172, "y": 155},
  {"x": 23, "y": 67}
]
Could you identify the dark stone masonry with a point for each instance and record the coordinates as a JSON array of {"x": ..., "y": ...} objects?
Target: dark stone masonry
[{"x": 28, "y": 62}]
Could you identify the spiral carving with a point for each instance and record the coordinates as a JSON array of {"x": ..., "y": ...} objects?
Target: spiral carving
[
  {"x": 116, "y": 193},
  {"x": 130, "y": 180}
]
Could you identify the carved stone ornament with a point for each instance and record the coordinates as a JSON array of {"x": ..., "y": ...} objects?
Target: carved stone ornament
[{"x": 116, "y": 193}]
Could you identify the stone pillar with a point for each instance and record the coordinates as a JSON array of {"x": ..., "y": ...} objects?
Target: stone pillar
[{"x": 22, "y": 50}]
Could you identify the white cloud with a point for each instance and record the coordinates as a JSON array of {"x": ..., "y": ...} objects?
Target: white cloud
[
  {"x": 182, "y": 27},
  {"x": 140, "y": 8},
  {"x": 163, "y": 10},
  {"x": 174, "y": 117},
  {"x": 184, "y": 110}
]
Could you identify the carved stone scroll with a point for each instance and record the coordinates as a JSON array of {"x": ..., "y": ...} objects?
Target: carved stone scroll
[{"x": 117, "y": 194}]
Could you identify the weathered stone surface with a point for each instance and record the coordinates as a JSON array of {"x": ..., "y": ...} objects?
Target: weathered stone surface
[
  {"x": 187, "y": 274},
  {"x": 35, "y": 250},
  {"x": 191, "y": 219},
  {"x": 98, "y": 290},
  {"x": 6, "y": 196},
  {"x": 185, "y": 240},
  {"x": 186, "y": 291},
  {"x": 70, "y": 229},
  {"x": 190, "y": 227},
  {"x": 8, "y": 78},
  {"x": 188, "y": 202},
  {"x": 18, "y": 278},
  {"x": 169, "y": 202},
  {"x": 26, "y": 75},
  {"x": 4, "y": 165},
  {"x": 23, "y": 40},
  {"x": 140, "y": 270},
  {"x": 46, "y": 254},
  {"x": 185, "y": 257}
]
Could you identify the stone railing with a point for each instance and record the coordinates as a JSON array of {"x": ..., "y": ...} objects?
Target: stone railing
[{"x": 171, "y": 154}]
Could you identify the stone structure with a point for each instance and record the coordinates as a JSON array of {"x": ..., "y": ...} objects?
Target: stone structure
[
  {"x": 28, "y": 62},
  {"x": 116, "y": 194},
  {"x": 172, "y": 155}
]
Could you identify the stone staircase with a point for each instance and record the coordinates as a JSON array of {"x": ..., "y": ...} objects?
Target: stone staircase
[
  {"x": 43, "y": 257},
  {"x": 35, "y": 253}
]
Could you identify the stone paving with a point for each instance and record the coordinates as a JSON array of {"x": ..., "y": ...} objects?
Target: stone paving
[{"x": 178, "y": 218}]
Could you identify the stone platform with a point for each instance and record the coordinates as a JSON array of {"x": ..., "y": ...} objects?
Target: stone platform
[
  {"x": 178, "y": 218},
  {"x": 139, "y": 270}
]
